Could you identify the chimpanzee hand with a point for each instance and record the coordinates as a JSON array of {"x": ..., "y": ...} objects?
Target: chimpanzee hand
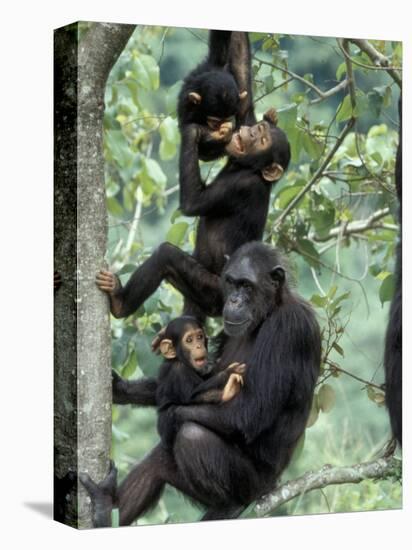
[
  {"x": 102, "y": 495},
  {"x": 107, "y": 281},
  {"x": 223, "y": 133},
  {"x": 237, "y": 368},
  {"x": 233, "y": 387},
  {"x": 110, "y": 283}
]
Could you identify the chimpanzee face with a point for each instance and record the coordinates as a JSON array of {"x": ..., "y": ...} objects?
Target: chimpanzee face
[
  {"x": 193, "y": 350},
  {"x": 250, "y": 140},
  {"x": 188, "y": 345},
  {"x": 251, "y": 291}
]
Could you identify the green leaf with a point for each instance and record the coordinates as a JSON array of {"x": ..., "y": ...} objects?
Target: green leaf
[
  {"x": 176, "y": 214},
  {"x": 287, "y": 116},
  {"x": 314, "y": 412},
  {"x": 130, "y": 366},
  {"x": 286, "y": 195},
  {"x": 114, "y": 207},
  {"x": 337, "y": 347},
  {"x": 313, "y": 147},
  {"x": 176, "y": 233},
  {"x": 308, "y": 251},
  {"x": 319, "y": 301},
  {"x": 170, "y": 138},
  {"x": 345, "y": 110},
  {"x": 118, "y": 146},
  {"x": 147, "y": 72},
  {"x": 128, "y": 268},
  {"x": 341, "y": 70},
  {"x": 376, "y": 396},
  {"x": 387, "y": 289},
  {"x": 152, "y": 174},
  {"x": 115, "y": 517},
  {"x": 326, "y": 398}
]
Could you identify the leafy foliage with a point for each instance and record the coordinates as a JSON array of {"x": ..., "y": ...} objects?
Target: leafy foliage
[{"x": 339, "y": 235}]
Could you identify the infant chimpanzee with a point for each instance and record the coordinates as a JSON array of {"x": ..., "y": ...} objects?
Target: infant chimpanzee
[{"x": 186, "y": 377}]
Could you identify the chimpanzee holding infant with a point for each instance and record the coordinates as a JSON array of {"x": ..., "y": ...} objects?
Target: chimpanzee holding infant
[{"x": 222, "y": 453}]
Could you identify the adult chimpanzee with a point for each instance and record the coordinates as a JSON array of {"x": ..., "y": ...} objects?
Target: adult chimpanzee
[
  {"x": 186, "y": 377},
  {"x": 232, "y": 209},
  {"x": 210, "y": 97},
  {"x": 393, "y": 344},
  {"x": 225, "y": 456}
]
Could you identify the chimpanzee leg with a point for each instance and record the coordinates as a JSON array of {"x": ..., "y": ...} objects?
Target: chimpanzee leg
[
  {"x": 223, "y": 513},
  {"x": 215, "y": 472},
  {"x": 185, "y": 273},
  {"x": 142, "y": 487}
]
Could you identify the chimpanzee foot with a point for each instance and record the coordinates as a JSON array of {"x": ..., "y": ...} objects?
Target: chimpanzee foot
[{"x": 103, "y": 496}]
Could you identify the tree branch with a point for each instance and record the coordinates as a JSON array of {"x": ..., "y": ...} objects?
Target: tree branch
[
  {"x": 328, "y": 475},
  {"x": 322, "y": 95},
  {"x": 316, "y": 175},
  {"x": 357, "y": 226},
  {"x": 380, "y": 62}
]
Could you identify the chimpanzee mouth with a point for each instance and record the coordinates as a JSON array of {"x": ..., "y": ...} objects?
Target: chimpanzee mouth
[
  {"x": 240, "y": 323},
  {"x": 238, "y": 142},
  {"x": 201, "y": 361}
]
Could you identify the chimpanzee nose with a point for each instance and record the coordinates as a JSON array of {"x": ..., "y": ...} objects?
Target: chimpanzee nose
[{"x": 234, "y": 300}]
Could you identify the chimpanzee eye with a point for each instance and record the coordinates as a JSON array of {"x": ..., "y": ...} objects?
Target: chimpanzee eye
[
  {"x": 189, "y": 340},
  {"x": 200, "y": 336}
]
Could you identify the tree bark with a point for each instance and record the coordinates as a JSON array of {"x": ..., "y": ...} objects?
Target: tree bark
[{"x": 82, "y": 324}]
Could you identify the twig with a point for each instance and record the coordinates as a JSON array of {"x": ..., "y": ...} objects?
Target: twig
[
  {"x": 328, "y": 475},
  {"x": 322, "y": 95},
  {"x": 335, "y": 367},
  {"x": 316, "y": 175},
  {"x": 379, "y": 60},
  {"x": 357, "y": 226}
]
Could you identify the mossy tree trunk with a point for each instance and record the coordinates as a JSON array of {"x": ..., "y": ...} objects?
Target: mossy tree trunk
[{"x": 82, "y": 425}]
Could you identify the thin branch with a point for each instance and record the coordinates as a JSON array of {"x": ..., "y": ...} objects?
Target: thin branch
[
  {"x": 328, "y": 475},
  {"x": 316, "y": 175},
  {"x": 379, "y": 60},
  {"x": 332, "y": 91},
  {"x": 322, "y": 95},
  {"x": 357, "y": 226},
  {"x": 336, "y": 367}
]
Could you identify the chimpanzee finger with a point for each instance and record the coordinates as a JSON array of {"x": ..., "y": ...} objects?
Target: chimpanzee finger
[
  {"x": 110, "y": 481},
  {"x": 91, "y": 487}
]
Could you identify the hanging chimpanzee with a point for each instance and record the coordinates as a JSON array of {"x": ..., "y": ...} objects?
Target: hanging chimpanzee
[
  {"x": 186, "y": 377},
  {"x": 393, "y": 344},
  {"x": 225, "y": 456},
  {"x": 211, "y": 98},
  {"x": 232, "y": 209}
]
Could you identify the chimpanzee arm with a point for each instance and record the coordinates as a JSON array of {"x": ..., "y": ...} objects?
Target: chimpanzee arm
[
  {"x": 135, "y": 392},
  {"x": 220, "y": 197},
  {"x": 281, "y": 376},
  {"x": 240, "y": 65},
  {"x": 219, "y": 47}
]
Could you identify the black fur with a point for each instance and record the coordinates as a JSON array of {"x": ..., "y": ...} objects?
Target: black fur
[
  {"x": 232, "y": 209},
  {"x": 226, "y": 456},
  {"x": 179, "y": 383},
  {"x": 219, "y": 92},
  {"x": 393, "y": 343}
]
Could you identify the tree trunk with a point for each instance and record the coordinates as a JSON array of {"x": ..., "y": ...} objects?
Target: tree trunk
[{"x": 82, "y": 388}]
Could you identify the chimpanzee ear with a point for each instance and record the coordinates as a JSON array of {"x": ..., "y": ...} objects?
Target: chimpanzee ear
[
  {"x": 243, "y": 95},
  {"x": 278, "y": 274},
  {"x": 167, "y": 349},
  {"x": 273, "y": 172},
  {"x": 195, "y": 98},
  {"x": 271, "y": 116}
]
